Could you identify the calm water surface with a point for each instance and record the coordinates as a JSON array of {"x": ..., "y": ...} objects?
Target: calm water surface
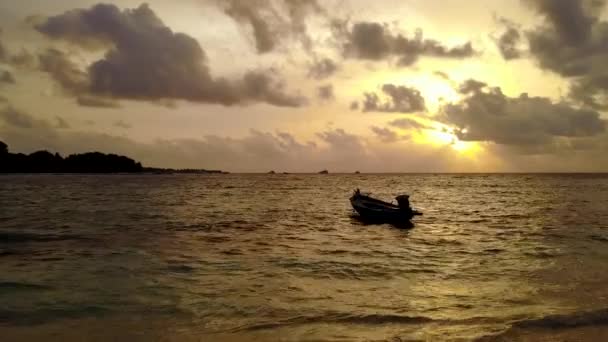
[{"x": 279, "y": 257}]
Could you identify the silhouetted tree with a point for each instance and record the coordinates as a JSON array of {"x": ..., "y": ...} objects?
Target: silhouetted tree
[{"x": 46, "y": 162}]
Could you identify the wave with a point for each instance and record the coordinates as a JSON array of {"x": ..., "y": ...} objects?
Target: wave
[
  {"x": 16, "y": 237},
  {"x": 370, "y": 319},
  {"x": 33, "y": 317},
  {"x": 553, "y": 324},
  {"x": 598, "y": 238},
  {"x": 16, "y": 286},
  {"x": 599, "y": 317}
]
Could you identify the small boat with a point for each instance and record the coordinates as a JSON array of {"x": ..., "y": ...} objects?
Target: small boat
[{"x": 373, "y": 209}]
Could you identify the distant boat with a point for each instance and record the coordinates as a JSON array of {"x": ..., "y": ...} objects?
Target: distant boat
[
  {"x": 324, "y": 172},
  {"x": 271, "y": 172},
  {"x": 357, "y": 172},
  {"x": 379, "y": 211}
]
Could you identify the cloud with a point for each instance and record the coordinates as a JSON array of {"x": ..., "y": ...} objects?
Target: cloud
[
  {"x": 509, "y": 40},
  {"x": 25, "y": 133},
  {"x": 342, "y": 147},
  {"x": 96, "y": 102},
  {"x": 322, "y": 69},
  {"x": 7, "y": 77},
  {"x": 64, "y": 71},
  {"x": 386, "y": 135},
  {"x": 145, "y": 60},
  {"x": 260, "y": 85},
  {"x": 486, "y": 114},
  {"x": 471, "y": 86},
  {"x": 334, "y": 149},
  {"x": 406, "y": 123},
  {"x": 442, "y": 75},
  {"x": 400, "y": 99},
  {"x": 374, "y": 41},
  {"x": 572, "y": 20},
  {"x": 61, "y": 123},
  {"x": 13, "y": 117},
  {"x": 122, "y": 124},
  {"x": 23, "y": 59},
  {"x": 573, "y": 42},
  {"x": 4, "y": 54},
  {"x": 326, "y": 92},
  {"x": 271, "y": 22}
]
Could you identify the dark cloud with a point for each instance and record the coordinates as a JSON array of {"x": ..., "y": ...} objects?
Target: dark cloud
[
  {"x": 96, "y": 102},
  {"x": 262, "y": 86},
  {"x": 406, "y": 123},
  {"x": 61, "y": 123},
  {"x": 146, "y": 60},
  {"x": 7, "y": 77},
  {"x": 510, "y": 39},
  {"x": 572, "y": 20},
  {"x": 23, "y": 59},
  {"x": 4, "y": 55},
  {"x": 122, "y": 124},
  {"x": 442, "y": 75},
  {"x": 326, "y": 92},
  {"x": 573, "y": 42},
  {"x": 64, "y": 71},
  {"x": 471, "y": 86},
  {"x": 245, "y": 12},
  {"x": 386, "y": 135},
  {"x": 322, "y": 69},
  {"x": 16, "y": 118},
  {"x": 486, "y": 114},
  {"x": 343, "y": 147},
  {"x": 400, "y": 99},
  {"x": 564, "y": 43},
  {"x": 374, "y": 41},
  {"x": 272, "y": 21}
]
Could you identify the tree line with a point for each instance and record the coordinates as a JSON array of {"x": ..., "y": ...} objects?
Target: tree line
[{"x": 47, "y": 162}]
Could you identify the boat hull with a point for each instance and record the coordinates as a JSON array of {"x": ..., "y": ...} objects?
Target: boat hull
[{"x": 375, "y": 210}]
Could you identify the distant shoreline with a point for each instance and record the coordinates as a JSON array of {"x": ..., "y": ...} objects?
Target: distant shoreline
[
  {"x": 45, "y": 162},
  {"x": 219, "y": 172}
]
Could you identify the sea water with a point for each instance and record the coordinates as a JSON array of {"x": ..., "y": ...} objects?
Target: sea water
[{"x": 281, "y": 257}]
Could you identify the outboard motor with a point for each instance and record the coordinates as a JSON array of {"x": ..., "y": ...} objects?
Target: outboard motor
[{"x": 404, "y": 202}]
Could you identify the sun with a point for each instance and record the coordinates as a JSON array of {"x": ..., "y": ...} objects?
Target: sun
[
  {"x": 436, "y": 91},
  {"x": 440, "y": 135}
]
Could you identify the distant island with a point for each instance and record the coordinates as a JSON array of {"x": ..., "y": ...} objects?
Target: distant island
[{"x": 90, "y": 162}]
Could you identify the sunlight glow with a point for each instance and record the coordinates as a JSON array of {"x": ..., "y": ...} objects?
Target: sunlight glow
[
  {"x": 441, "y": 135},
  {"x": 435, "y": 90}
]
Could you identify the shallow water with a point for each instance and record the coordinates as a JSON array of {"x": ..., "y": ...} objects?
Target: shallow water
[{"x": 280, "y": 257}]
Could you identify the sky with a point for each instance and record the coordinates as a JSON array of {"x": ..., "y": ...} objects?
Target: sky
[{"x": 307, "y": 85}]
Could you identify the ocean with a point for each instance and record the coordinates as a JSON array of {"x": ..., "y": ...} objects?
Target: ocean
[{"x": 246, "y": 257}]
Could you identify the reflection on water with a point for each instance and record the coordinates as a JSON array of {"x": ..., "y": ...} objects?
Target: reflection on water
[{"x": 246, "y": 257}]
